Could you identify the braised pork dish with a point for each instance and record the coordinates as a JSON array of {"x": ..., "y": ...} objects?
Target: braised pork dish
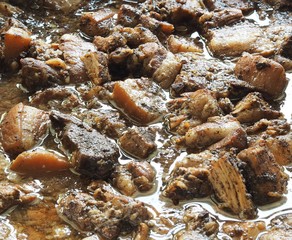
[{"x": 156, "y": 119}]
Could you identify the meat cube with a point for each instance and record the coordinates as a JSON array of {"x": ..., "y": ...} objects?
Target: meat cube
[
  {"x": 281, "y": 148},
  {"x": 178, "y": 44},
  {"x": 96, "y": 64},
  {"x": 141, "y": 99},
  {"x": 139, "y": 142},
  {"x": 74, "y": 48},
  {"x": 110, "y": 43},
  {"x": 160, "y": 28},
  {"x": 133, "y": 177},
  {"x": 177, "y": 12},
  {"x": 9, "y": 196},
  {"x": 253, "y": 108},
  {"x": 199, "y": 225},
  {"x": 206, "y": 134},
  {"x": 22, "y": 128},
  {"x": 264, "y": 74},
  {"x": 219, "y": 18},
  {"x": 265, "y": 179},
  {"x": 93, "y": 154},
  {"x": 244, "y": 5},
  {"x": 234, "y": 40},
  {"x": 191, "y": 110},
  {"x": 58, "y": 98},
  {"x": 244, "y": 230},
  {"x": 189, "y": 178},
  {"x": 16, "y": 40},
  {"x": 129, "y": 16},
  {"x": 198, "y": 72},
  {"x": 230, "y": 188},
  {"x": 286, "y": 48},
  {"x": 105, "y": 213},
  {"x": 97, "y": 23},
  {"x": 37, "y": 75}
]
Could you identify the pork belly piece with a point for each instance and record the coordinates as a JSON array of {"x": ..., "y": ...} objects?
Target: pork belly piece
[
  {"x": 244, "y": 5},
  {"x": 243, "y": 230},
  {"x": 139, "y": 141},
  {"x": 99, "y": 23},
  {"x": 133, "y": 177},
  {"x": 140, "y": 98},
  {"x": 264, "y": 74},
  {"x": 197, "y": 72},
  {"x": 105, "y": 213},
  {"x": 153, "y": 60},
  {"x": 43, "y": 51},
  {"x": 281, "y": 148},
  {"x": 199, "y": 225},
  {"x": 234, "y": 40},
  {"x": 23, "y": 128},
  {"x": 219, "y": 18},
  {"x": 96, "y": 64},
  {"x": 129, "y": 16},
  {"x": 265, "y": 179},
  {"x": 176, "y": 12},
  {"x": 58, "y": 98},
  {"x": 189, "y": 178},
  {"x": 37, "y": 75},
  {"x": 191, "y": 110},
  {"x": 214, "y": 130},
  {"x": 254, "y": 108},
  {"x": 12, "y": 194},
  {"x": 229, "y": 187},
  {"x": 111, "y": 42},
  {"x": 73, "y": 49},
  {"x": 281, "y": 228},
  {"x": 93, "y": 154},
  {"x": 178, "y": 44}
]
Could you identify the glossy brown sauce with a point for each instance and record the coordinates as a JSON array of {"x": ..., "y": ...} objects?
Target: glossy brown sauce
[{"x": 41, "y": 221}]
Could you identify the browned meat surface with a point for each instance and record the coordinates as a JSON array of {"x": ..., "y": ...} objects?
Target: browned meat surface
[
  {"x": 264, "y": 74},
  {"x": 281, "y": 228},
  {"x": 234, "y": 40},
  {"x": 12, "y": 195},
  {"x": 178, "y": 44},
  {"x": 139, "y": 142},
  {"x": 140, "y": 98},
  {"x": 189, "y": 178},
  {"x": 265, "y": 179},
  {"x": 229, "y": 187},
  {"x": 110, "y": 43},
  {"x": 280, "y": 3},
  {"x": 22, "y": 128},
  {"x": 244, "y": 5},
  {"x": 197, "y": 72},
  {"x": 93, "y": 154},
  {"x": 220, "y": 18},
  {"x": 97, "y": 23},
  {"x": 281, "y": 148},
  {"x": 214, "y": 130},
  {"x": 74, "y": 48},
  {"x": 133, "y": 177},
  {"x": 244, "y": 230},
  {"x": 153, "y": 60},
  {"x": 37, "y": 75},
  {"x": 191, "y": 110},
  {"x": 58, "y": 98},
  {"x": 199, "y": 225},
  {"x": 254, "y": 108},
  {"x": 177, "y": 12},
  {"x": 105, "y": 213},
  {"x": 96, "y": 64},
  {"x": 129, "y": 16}
]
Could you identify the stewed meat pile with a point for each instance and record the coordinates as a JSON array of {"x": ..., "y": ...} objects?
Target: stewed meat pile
[{"x": 145, "y": 119}]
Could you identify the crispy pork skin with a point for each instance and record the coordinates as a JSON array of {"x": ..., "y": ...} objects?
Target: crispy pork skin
[
  {"x": 265, "y": 179},
  {"x": 264, "y": 74},
  {"x": 229, "y": 187}
]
